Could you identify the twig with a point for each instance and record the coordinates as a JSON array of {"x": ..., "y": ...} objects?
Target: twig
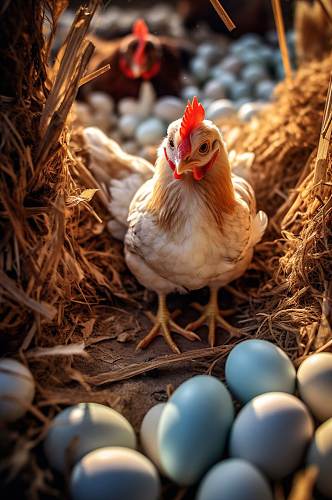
[
  {"x": 147, "y": 366},
  {"x": 282, "y": 37},
  {"x": 94, "y": 74},
  {"x": 223, "y": 14},
  {"x": 324, "y": 139}
]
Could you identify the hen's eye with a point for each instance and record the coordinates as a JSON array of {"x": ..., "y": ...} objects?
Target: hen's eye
[
  {"x": 204, "y": 147},
  {"x": 171, "y": 143}
]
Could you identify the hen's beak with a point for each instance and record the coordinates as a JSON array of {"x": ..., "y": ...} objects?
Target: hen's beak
[{"x": 183, "y": 166}]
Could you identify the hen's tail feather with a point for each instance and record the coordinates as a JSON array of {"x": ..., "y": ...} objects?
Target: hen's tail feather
[
  {"x": 258, "y": 228},
  {"x": 123, "y": 174}
]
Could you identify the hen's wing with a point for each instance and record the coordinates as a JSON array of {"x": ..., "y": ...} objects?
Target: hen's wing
[{"x": 121, "y": 173}]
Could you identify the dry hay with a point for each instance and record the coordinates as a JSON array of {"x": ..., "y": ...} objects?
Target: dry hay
[{"x": 56, "y": 261}]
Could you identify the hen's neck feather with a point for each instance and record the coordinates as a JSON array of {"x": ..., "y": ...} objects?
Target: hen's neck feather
[{"x": 173, "y": 201}]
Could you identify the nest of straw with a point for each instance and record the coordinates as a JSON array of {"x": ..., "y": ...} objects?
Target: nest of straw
[{"x": 57, "y": 261}]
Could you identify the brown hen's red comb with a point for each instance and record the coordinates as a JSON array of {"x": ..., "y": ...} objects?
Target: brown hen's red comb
[
  {"x": 194, "y": 115},
  {"x": 140, "y": 29}
]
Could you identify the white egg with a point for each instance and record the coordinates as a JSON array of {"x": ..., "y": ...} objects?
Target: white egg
[
  {"x": 256, "y": 366},
  {"x": 169, "y": 108},
  {"x": 114, "y": 473},
  {"x": 149, "y": 433},
  {"x": 17, "y": 389},
  {"x": 214, "y": 89},
  {"x": 128, "y": 124},
  {"x": 127, "y": 106},
  {"x": 320, "y": 455},
  {"x": 234, "y": 479},
  {"x": 314, "y": 379},
  {"x": 102, "y": 102},
  {"x": 150, "y": 132},
  {"x": 219, "y": 110},
  {"x": 272, "y": 431},
  {"x": 193, "y": 428},
  {"x": 81, "y": 428}
]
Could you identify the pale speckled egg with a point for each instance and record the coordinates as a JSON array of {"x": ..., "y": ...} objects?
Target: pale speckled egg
[
  {"x": 320, "y": 455},
  {"x": 150, "y": 132},
  {"x": 314, "y": 379},
  {"x": 272, "y": 431},
  {"x": 256, "y": 366},
  {"x": 128, "y": 124},
  {"x": 17, "y": 389},
  {"x": 114, "y": 473},
  {"x": 234, "y": 479},
  {"x": 149, "y": 433},
  {"x": 84, "y": 427},
  {"x": 193, "y": 428}
]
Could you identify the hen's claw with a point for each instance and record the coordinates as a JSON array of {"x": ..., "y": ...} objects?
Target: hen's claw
[
  {"x": 164, "y": 325},
  {"x": 211, "y": 317}
]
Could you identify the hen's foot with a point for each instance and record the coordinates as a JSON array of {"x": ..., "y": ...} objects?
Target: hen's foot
[
  {"x": 164, "y": 325},
  {"x": 212, "y": 317}
]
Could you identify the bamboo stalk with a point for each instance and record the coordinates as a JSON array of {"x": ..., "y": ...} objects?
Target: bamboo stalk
[
  {"x": 277, "y": 12},
  {"x": 223, "y": 14}
]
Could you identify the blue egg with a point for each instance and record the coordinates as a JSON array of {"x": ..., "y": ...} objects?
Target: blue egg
[
  {"x": 272, "y": 431},
  {"x": 234, "y": 479},
  {"x": 114, "y": 474},
  {"x": 81, "y": 428},
  {"x": 320, "y": 456},
  {"x": 193, "y": 428},
  {"x": 256, "y": 366}
]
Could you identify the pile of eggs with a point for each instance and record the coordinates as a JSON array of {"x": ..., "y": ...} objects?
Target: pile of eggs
[
  {"x": 231, "y": 79},
  {"x": 196, "y": 438}
]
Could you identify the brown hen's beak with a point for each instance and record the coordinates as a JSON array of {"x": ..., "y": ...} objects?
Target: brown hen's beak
[{"x": 183, "y": 166}]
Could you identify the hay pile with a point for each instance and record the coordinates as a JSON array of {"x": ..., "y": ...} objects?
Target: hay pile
[
  {"x": 296, "y": 191},
  {"x": 57, "y": 263}
]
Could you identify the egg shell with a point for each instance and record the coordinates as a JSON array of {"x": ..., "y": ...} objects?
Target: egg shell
[
  {"x": 193, "y": 428},
  {"x": 128, "y": 124},
  {"x": 149, "y": 433},
  {"x": 84, "y": 427},
  {"x": 234, "y": 479},
  {"x": 250, "y": 41},
  {"x": 17, "y": 389},
  {"x": 102, "y": 102},
  {"x": 220, "y": 109},
  {"x": 127, "y": 106},
  {"x": 150, "y": 132},
  {"x": 314, "y": 379},
  {"x": 114, "y": 473},
  {"x": 250, "y": 109},
  {"x": 214, "y": 89},
  {"x": 169, "y": 108},
  {"x": 272, "y": 431},
  {"x": 256, "y": 366},
  {"x": 320, "y": 455},
  {"x": 199, "y": 68},
  {"x": 250, "y": 56},
  {"x": 232, "y": 64},
  {"x": 253, "y": 73},
  {"x": 189, "y": 92},
  {"x": 264, "y": 90},
  {"x": 210, "y": 52},
  {"x": 240, "y": 89}
]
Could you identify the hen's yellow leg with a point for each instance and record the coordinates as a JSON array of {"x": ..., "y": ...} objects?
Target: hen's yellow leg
[
  {"x": 211, "y": 317},
  {"x": 164, "y": 325}
]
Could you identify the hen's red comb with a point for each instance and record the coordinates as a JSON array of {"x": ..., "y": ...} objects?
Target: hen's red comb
[
  {"x": 194, "y": 115},
  {"x": 140, "y": 29}
]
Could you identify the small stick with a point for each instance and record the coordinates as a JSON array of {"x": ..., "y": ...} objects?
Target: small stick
[
  {"x": 94, "y": 74},
  {"x": 324, "y": 139},
  {"x": 223, "y": 14},
  {"x": 282, "y": 37}
]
